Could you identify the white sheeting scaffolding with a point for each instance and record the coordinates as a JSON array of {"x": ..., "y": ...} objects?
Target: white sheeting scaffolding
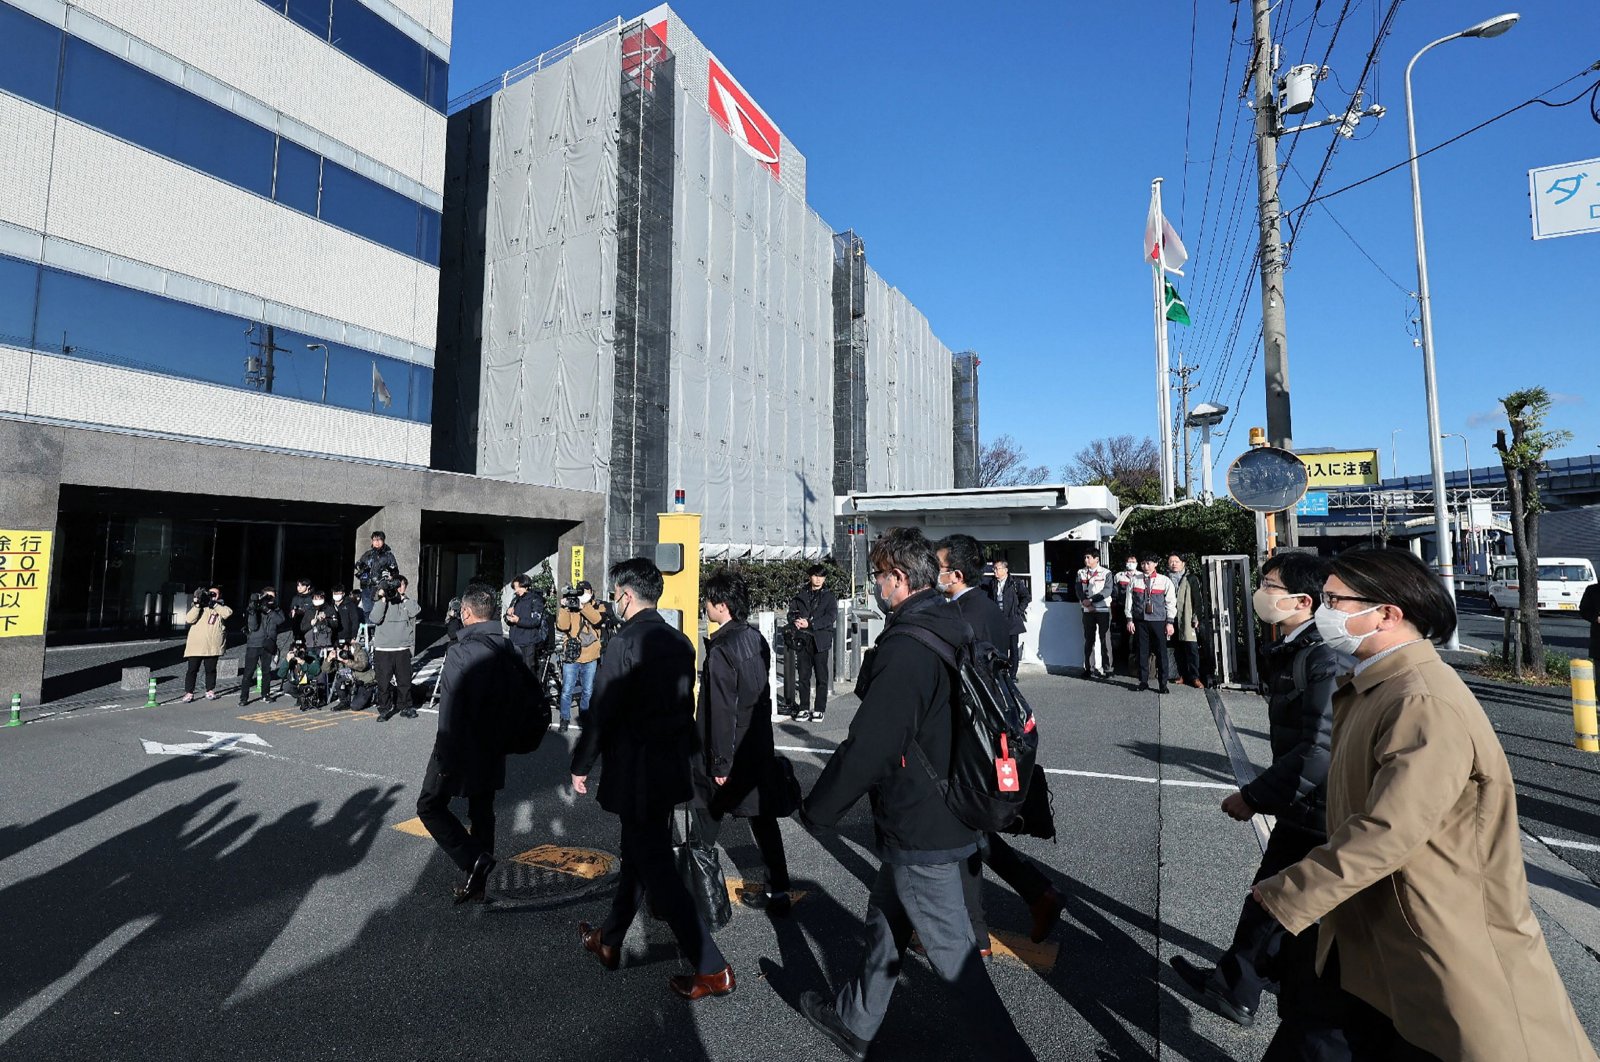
[{"x": 909, "y": 416}]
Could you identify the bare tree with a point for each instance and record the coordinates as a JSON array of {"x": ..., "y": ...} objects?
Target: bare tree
[
  {"x": 1130, "y": 467},
  {"x": 1523, "y": 458},
  {"x": 1004, "y": 463}
]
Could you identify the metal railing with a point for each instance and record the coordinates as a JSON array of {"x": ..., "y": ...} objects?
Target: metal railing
[{"x": 546, "y": 58}]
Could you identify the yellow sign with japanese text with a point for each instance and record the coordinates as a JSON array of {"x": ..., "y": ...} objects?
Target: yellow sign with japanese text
[
  {"x": 24, "y": 582},
  {"x": 1341, "y": 468},
  {"x": 577, "y": 565}
]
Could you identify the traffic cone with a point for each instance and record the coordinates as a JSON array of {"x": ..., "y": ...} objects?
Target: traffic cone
[
  {"x": 16, "y": 710},
  {"x": 151, "y": 702}
]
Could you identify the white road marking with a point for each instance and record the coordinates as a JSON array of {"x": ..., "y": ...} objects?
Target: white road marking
[
  {"x": 1061, "y": 770},
  {"x": 1582, "y": 846},
  {"x": 48, "y": 996},
  {"x": 216, "y": 744}
]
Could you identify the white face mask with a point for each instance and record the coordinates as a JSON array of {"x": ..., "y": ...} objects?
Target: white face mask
[
  {"x": 1132, "y": 566},
  {"x": 337, "y": 598},
  {"x": 1268, "y": 609},
  {"x": 317, "y": 601},
  {"x": 585, "y": 596},
  {"x": 1334, "y": 626}
]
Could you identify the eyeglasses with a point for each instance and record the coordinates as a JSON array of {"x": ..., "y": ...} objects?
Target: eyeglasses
[
  {"x": 878, "y": 573},
  {"x": 1332, "y": 600},
  {"x": 1275, "y": 586}
]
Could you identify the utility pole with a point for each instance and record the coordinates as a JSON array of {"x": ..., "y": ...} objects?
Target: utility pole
[
  {"x": 260, "y": 372},
  {"x": 1183, "y": 372},
  {"x": 1274, "y": 329}
]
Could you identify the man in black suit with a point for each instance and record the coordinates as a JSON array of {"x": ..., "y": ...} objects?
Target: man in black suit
[
  {"x": 481, "y": 675},
  {"x": 1589, "y": 609},
  {"x": 1012, "y": 597},
  {"x": 812, "y": 615},
  {"x": 642, "y": 727},
  {"x": 959, "y": 555}
]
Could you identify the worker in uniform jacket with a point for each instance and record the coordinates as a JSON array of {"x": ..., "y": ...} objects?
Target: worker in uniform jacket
[
  {"x": 482, "y": 679},
  {"x": 1300, "y": 677},
  {"x": 958, "y": 555},
  {"x": 1012, "y": 596},
  {"x": 1122, "y": 642},
  {"x": 1096, "y": 591},
  {"x": 905, "y": 690},
  {"x": 1149, "y": 607},
  {"x": 643, "y": 735},
  {"x": 813, "y": 613}
]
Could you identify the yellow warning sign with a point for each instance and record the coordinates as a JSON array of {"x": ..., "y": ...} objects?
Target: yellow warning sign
[
  {"x": 578, "y": 862},
  {"x": 577, "y": 565},
  {"x": 24, "y": 582}
]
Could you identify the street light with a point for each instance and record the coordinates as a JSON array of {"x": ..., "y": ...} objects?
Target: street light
[
  {"x": 1493, "y": 27},
  {"x": 324, "y": 348},
  {"x": 1466, "y": 449},
  {"x": 1394, "y": 455},
  {"x": 1205, "y": 416}
]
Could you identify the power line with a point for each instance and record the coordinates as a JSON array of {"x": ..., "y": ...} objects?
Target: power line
[{"x": 1357, "y": 243}]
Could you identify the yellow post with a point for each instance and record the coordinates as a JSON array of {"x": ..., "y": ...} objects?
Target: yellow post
[
  {"x": 682, "y": 588},
  {"x": 1585, "y": 732}
]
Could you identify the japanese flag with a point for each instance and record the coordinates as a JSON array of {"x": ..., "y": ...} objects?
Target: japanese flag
[{"x": 1161, "y": 242}]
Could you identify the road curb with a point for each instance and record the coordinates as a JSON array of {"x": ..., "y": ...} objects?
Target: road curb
[{"x": 1243, "y": 771}]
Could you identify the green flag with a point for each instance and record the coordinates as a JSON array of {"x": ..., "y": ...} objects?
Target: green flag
[{"x": 1176, "y": 310}]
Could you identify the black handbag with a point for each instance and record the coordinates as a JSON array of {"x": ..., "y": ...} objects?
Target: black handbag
[
  {"x": 780, "y": 790},
  {"x": 701, "y": 870}
]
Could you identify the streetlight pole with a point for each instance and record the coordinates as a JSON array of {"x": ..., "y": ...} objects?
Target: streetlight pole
[
  {"x": 1471, "y": 535},
  {"x": 1394, "y": 457},
  {"x": 324, "y": 348},
  {"x": 1441, "y": 519}
]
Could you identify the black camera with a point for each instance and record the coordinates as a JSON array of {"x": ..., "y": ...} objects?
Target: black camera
[
  {"x": 204, "y": 598},
  {"x": 388, "y": 587},
  {"x": 570, "y": 599}
]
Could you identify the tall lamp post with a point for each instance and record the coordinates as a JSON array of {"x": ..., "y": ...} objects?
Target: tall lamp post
[
  {"x": 324, "y": 348},
  {"x": 1471, "y": 536},
  {"x": 1493, "y": 27}
]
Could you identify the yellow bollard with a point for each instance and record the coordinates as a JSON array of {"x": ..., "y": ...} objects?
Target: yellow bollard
[{"x": 1585, "y": 732}]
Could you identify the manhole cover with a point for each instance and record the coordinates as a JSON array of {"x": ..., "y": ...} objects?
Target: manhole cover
[{"x": 550, "y": 873}]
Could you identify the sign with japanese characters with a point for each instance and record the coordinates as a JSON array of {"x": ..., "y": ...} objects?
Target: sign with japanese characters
[
  {"x": 24, "y": 582},
  {"x": 577, "y": 565},
  {"x": 1566, "y": 199},
  {"x": 1342, "y": 468}
]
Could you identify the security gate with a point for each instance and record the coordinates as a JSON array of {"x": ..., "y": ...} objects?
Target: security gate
[{"x": 1233, "y": 630}]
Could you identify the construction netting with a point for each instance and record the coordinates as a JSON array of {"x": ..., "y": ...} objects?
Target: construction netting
[
  {"x": 909, "y": 433},
  {"x": 964, "y": 396}
]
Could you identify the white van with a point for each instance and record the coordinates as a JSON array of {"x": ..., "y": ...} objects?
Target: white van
[{"x": 1562, "y": 581}]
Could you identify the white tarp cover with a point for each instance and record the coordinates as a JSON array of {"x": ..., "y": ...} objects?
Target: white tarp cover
[
  {"x": 551, "y": 274},
  {"x": 910, "y": 445},
  {"x": 752, "y": 351}
]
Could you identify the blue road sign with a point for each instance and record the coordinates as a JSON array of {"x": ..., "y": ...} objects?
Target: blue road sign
[{"x": 1315, "y": 503}]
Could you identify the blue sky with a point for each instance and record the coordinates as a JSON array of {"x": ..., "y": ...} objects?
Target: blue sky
[{"x": 999, "y": 171}]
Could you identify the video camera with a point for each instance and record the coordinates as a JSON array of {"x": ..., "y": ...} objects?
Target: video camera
[
  {"x": 204, "y": 598},
  {"x": 388, "y": 586},
  {"x": 570, "y": 598}
]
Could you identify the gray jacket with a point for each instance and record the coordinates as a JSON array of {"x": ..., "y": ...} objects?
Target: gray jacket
[{"x": 394, "y": 626}]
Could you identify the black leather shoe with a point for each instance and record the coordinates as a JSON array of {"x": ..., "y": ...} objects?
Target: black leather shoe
[
  {"x": 477, "y": 881},
  {"x": 1199, "y": 981},
  {"x": 609, "y": 957},
  {"x": 411, "y": 713},
  {"x": 699, "y": 986},
  {"x": 776, "y": 904},
  {"x": 566, "y": 725},
  {"x": 1046, "y": 911},
  {"x": 820, "y": 1013},
  {"x": 1144, "y": 687}
]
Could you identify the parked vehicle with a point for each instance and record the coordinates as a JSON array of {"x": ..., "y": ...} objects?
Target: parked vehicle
[{"x": 1562, "y": 581}]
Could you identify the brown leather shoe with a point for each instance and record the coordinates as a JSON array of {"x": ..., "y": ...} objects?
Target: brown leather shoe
[
  {"x": 1197, "y": 684},
  {"x": 1046, "y": 913},
  {"x": 698, "y": 986},
  {"x": 609, "y": 957}
]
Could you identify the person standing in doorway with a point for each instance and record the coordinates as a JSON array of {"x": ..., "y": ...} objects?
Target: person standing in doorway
[
  {"x": 1096, "y": 591},
  {"x": 526, "y": 620},
  {"x": 812, "y": 615},
  {"x": 1149, "y": 606},
  {"x": 1185, "y": 622},
  {"x": 1012, "y": 596}
]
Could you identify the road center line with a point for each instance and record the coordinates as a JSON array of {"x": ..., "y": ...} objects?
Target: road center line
[
  {"x": 1062, "y": 770},
  {"x": 1582, "y": 846}
]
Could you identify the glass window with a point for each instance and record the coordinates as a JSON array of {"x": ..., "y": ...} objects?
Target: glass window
[
  {"x": 368, "y": 209},
  {"x": 19, "y": 283},
  {"x": 428, "y": 237},
  {"x": 364, "y": 36},
  {"x": 421, "y": 394},
  {"x": 314, "y": 15},
  {"x": 219, "y": 142},
  {"x": 299, "y": 177},
  {"x": 436, "y": 94},
  {"x": 30, "y": 59},
  {"x": 1570, "y": 572}
]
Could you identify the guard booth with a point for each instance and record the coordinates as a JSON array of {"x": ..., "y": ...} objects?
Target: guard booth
[{"x": 1042, "y": 531}]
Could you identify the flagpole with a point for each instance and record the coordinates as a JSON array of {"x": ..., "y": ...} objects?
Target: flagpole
[{"x": 1163, "y": 361}]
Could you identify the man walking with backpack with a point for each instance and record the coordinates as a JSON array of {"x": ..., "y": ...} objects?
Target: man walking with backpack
[{"x": 906, "y": 696}]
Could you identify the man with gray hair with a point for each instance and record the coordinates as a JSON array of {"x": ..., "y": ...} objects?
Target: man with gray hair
[{"x": 483, "y": 680}]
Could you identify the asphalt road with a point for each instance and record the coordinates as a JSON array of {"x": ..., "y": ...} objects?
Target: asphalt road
[
  {"x": 1482, "y": 628},
  {"x": 272, "y": 900}
]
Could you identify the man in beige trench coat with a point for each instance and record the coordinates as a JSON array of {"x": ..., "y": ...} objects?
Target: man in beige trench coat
[{"x": 1420, "y": 889}]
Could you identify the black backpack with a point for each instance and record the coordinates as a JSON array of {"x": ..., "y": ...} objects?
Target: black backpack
[{"x": 995, "y": 743}]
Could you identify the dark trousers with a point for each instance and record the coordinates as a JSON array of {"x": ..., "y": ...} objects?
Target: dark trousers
[
  {"x": 433, "y": 808},
  {"x": 1151, "y": 637},
  {"x": 1321, "y": 1022},
  {"x": 1254, "y": 957},
  {"x": 1188, "y": 654},
  {"x": 1014, "y": 652},
  {"x": 813, "y": 668},
  {"x": 928, "y": 899},
  {"x": 195, "y": 662},
  {"x": 255, "y": 656},
  {"x": 393, "y": 665},
  {"x": 1097, "y": 641},
  {"x": 529, "y": 651},
  {"x": 648, "y": 867},
  {"x": 1121, "y": 643},
  {"x": 1011, "y": 866},
  {"x": 768, "y": 838}
]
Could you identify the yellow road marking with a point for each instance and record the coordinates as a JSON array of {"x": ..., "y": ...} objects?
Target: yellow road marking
[
  {"x": 412, "y": 826},
  {"x": 293, "y": 718},
  {"x": 735, "y": 886},
  {"x": 583, "y": 863}
]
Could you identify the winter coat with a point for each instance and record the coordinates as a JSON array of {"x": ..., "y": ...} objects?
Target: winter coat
[
  {"x": 319, "y": 633},
  {"x": 394, "y": 625},
  {"x": 581, "y": 624},
  {"x": 820, "y": 610},
  {"x": 206, "y": 636},
  {"x": 1294, "y": 788},
  {"x": 261, "y": 627},
  {"x": 642, "y": 728},
  {"x": 1185, "y": 617},
  {"x": 1421, "y": 884},
  {"x": 1096, "y": 588},
  {"x": 984, "y": 617},
  {"x": 1119, "y": 599},
  {"x": 360, "y": 666},
  {"x": 528, "y": 624},
  {"x": 1589, "y": 609},
  {"x": 372, "y": 562},
  {"x": 1149, "y": 598},
  {"x": 734, "y": 720},
  {"x": 349, "y": 613},
  {"x": 481, "y": 678},
  {"x": 905, "y": 696},
  {"x": 1012, "y": 596}
]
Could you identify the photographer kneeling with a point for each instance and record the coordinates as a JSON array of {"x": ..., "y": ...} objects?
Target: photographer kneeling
[
  {"x": 579, "y": 621},
  {"x": 301, "y": 674},
  {"x": 206, "y": 639},
  {"x": 355, "y": 683},
  {"x": 394, "y": 638}
]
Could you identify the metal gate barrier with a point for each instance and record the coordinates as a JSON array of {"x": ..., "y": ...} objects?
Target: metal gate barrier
[{"x": 1233, "y": 627}]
